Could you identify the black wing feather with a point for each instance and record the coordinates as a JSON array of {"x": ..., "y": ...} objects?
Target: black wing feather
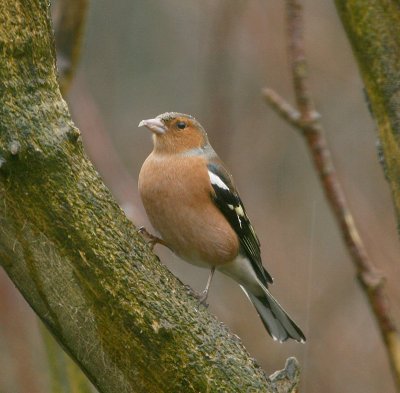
[{"x": 231, "y": 206}]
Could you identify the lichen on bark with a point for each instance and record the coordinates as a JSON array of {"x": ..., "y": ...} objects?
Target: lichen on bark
[{"x": 373, "y": 28}]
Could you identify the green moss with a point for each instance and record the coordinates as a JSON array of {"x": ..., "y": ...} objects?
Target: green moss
[{"x": 373, "y": 27}]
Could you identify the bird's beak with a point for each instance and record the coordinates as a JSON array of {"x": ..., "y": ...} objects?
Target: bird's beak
[{"x": 154, "y": 125}]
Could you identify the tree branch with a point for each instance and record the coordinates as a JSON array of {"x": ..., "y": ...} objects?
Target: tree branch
[
  {"x": 70, "y": 17},
  {"x": 373, "y": 28},
  {"x": 78, "y": 261},
  {"x": 306, "y": 120}
]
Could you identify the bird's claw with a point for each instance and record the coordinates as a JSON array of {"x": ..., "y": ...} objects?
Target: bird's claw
[
  {"x": 151, "y": 239},
  {"x": 202, "y": 297}
]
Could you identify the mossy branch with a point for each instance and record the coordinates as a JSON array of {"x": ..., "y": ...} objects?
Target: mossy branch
[
  {"x": 81, "y": 265},
  {"x": 373, "y": 28}
]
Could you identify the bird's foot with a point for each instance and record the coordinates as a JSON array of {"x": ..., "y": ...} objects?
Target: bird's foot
[
  {"x": 202, "y": 297},
  {"x": 151, "y": 239}
]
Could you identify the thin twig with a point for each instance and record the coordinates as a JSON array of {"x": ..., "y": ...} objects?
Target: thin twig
[
  {"x": 307, "y": 121},
  {"x": 282, "y": 107},
  {"x": 297, "y": 60}
]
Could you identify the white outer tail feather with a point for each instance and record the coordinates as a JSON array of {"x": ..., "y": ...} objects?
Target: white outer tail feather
[{"x": 278, "y": 323}]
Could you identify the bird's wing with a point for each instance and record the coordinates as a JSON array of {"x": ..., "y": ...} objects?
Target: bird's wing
[{"x": 229, "y": 203}]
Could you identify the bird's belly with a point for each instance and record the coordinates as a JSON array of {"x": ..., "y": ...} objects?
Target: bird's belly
[
  {"x": 188, "y": 221},
  {"x": 196, "y": 235},
  {"x": 241, "y": 270}
]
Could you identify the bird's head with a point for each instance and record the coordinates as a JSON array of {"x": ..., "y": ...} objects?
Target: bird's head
[{"x": 175, "y": 133}]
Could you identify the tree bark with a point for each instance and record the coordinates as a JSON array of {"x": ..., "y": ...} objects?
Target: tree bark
[
  {"x": 373, "y": 28},
  {"x": 81, "y": 265}
]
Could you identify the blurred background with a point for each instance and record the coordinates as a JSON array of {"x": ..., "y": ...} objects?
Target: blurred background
[{"x": 211, "y": 59}]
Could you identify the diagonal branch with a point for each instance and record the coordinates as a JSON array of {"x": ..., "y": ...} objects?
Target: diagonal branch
[
  {"x": 306, "y": 120},
  {"x": 76, "y": 258}
]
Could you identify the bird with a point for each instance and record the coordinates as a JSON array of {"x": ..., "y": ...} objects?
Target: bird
[{"x": 191, "y": 201}]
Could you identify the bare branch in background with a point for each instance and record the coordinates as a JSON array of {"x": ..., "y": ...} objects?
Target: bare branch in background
[
  {"x": 70, "y": 17},
  {"x": 306, "y": 120}
]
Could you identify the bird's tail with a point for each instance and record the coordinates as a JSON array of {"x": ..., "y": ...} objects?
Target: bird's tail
[{"x": 275, "y": 319}]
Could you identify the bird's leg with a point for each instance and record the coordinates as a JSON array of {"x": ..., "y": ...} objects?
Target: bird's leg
[
  {"x": 151, "y": 239},
  {"x": 204, "y": 294}
]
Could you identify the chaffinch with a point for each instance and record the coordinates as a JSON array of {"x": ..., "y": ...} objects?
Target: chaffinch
[{"x": 190, "y": 199}]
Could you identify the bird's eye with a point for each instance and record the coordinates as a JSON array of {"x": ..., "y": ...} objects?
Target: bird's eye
[{"x": 181, "y": 125}]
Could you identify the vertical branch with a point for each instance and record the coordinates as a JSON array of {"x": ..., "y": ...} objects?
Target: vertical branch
[
  {"x": 297, "y": 60},
  {"x": 69, "y": 27},
  {"x": 373, "y": 30},
  {"x": 305, "y": 119},
  {"x": 70, "y": 17}
]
